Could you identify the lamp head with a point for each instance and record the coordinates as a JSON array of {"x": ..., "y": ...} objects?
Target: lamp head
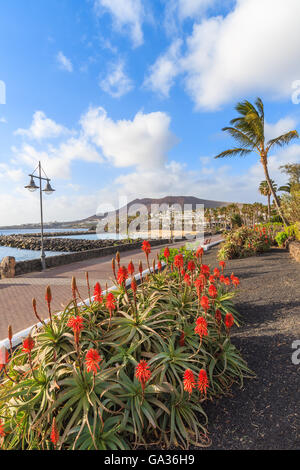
[{"x": 31, "y": 186}]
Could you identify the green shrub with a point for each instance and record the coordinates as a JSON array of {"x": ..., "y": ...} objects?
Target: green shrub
[
  {"x": 188, "y": 254},
  {"x": 90, "y": 389},
  {"x": 246, "y": 241},
  {"x": 281, "y": 238},
  {"x": 288, "y": 233},
  {"x": 297, "y": 230}
]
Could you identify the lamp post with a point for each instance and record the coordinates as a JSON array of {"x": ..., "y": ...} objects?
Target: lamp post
[{"x": 48, "y": 190}]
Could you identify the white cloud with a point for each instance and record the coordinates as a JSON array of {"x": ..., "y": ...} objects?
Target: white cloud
[
  {"x": 128, "y": 16},
  {"x": 143, "y": 141},
  {"x": 58, "y": 159},
  {"x": 193, "y": 8},
  {"x": 163, "y": 72},
  {"x": 254, "y": 49},
  {"x": 116, "y": 83},
  {"x": 177, "y": 11},
  {"x": 3, "y": 120},
  {"x": 64, "y": 62},
  {"x": 42, "y": 128},
  {"x": 9, "y": 173},
  {"x": 282, "y": 126}
]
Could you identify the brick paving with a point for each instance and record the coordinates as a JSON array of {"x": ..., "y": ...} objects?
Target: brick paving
[{"x": 16, "y": 294}]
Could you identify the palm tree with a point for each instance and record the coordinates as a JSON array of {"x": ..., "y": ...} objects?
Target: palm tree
[
  {"x": 248, "y": 129},
  {"x": 286, "y": 188},
  {"x": 264, "y": 189}
]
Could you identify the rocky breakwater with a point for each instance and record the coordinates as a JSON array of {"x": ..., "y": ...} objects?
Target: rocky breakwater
[
  {"x": 58, "y": 244},
  {"x": 58, "y": 234}
]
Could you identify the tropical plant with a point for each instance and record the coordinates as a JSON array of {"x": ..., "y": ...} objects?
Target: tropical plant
[
  {"x": 248, "y": 129},
  {"x": 246, "y": 241},
  {"x": 264, "y": 189},
  {"x": 133, "y": 367}
]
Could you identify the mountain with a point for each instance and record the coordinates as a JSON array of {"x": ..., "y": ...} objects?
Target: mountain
[{"x": 168, "y": 200}]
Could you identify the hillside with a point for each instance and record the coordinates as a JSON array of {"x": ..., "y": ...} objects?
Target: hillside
[{"x": 169, "y": 200}]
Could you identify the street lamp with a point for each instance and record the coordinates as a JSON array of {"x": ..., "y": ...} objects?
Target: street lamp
[{"x": 48, "y": 190}]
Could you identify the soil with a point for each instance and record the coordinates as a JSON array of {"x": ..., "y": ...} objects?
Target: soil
[{"x": 264, "y": 414}]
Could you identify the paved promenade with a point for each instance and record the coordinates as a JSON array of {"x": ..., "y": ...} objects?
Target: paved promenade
[{"x": 16, "y": 294}]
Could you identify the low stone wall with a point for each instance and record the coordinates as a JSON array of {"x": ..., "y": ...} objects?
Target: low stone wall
[
  {"x": 23, "y": 267},
  {"x": 294, "y": 249}
]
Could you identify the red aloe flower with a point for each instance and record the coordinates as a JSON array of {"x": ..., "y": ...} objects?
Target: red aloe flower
[
  {"x": 54, "y": 433},
  {"x": 146, "y": 247},
  {"x": 98, "y": 293},
  {"x": 110, "y": 303},
  {"x": 122, "y": 275},
  {"x": 217, "y": 272},
  {"x": 159, "y": 266},
  {"x": 212, "y": 291},
  {"x": 203, "y": 382},
  {"x": 74, "y": 287},
  {"x": 227, "y": 281},
  {"x": 199, "y": 252},
  {"x": 222, "y": 278},
  {"x": 48, "y": 296},
  {"x": 201, "y": 327},
  {"x": 222, "y": 264},
  {"x": 187, "y": 279},
  {"x": 134, "y": 285},
  {"x": 235, "y": 281},
  {"x": 205, "y": 303},
  {"x": 130, "y": 268},
  {"x": 76, "y": 323},
  {"x": 92, "y": 360},
  {"x": 141, "y": 269},
  {"x": 167, "y": 254},
  {"x": 191, "y": 266},
  {"x": 218, "y": 316},
  {"x": 205, "y": 269},
  {"x": 143, "y": 373},
  {"x": 28, "y": 345},
  {"x": 188, "y": 381},
  {"x": 199, "y": 284},
  {"x": 229, "y": 320},
  {"x": 4, "y": 357},
  {"x": 2, "y": 433},
  {"x": 178, "y": 261}
]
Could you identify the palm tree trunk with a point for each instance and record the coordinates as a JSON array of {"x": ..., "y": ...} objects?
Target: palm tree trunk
[
  {"x": 264, "y": 163},
  {"x": 269, "y": 206}
]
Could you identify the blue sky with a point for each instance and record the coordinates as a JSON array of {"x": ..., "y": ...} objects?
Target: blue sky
[{"x": 127, "y": 98}]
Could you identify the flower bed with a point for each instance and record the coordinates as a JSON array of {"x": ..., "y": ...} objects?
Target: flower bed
[
  {"x": 132, "y": 367},
  {"x": 246, "y": 241}
]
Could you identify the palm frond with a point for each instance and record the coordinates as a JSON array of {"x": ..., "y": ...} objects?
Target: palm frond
[
  {"x": 283, "y": 139},
  {"x": 240, "y": 136},
  {"x": 234, "y": 152},
  {"x": 286, "y": 188},
  {"x": 260, "y": 106}
]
